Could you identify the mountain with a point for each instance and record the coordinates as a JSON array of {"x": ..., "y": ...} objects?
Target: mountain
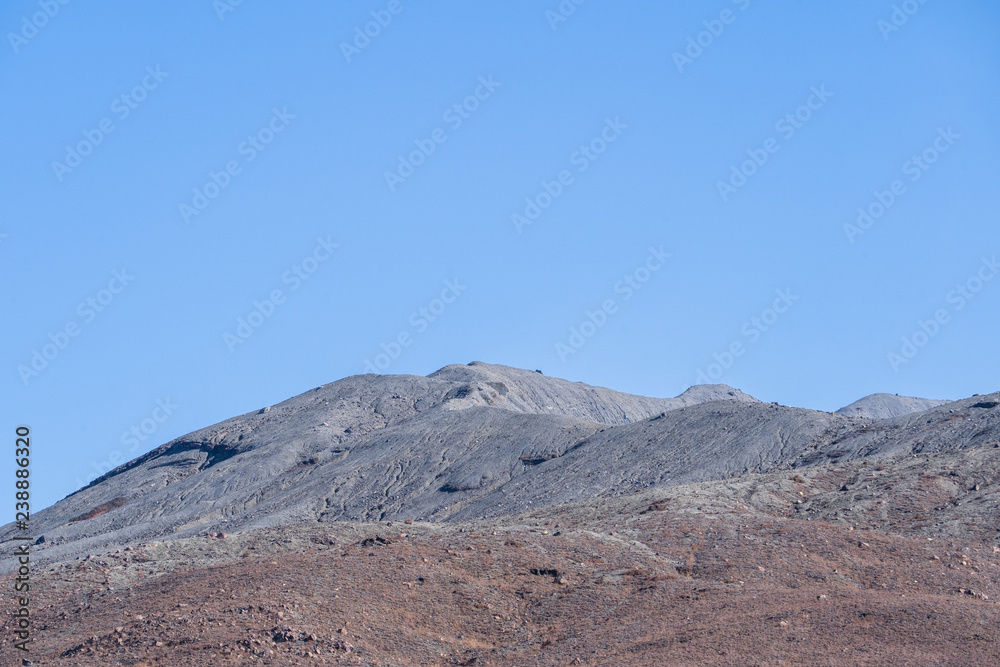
[
  {"x": 465, "y": 443},
  {"x": 488, "y": 515},
  {"x": 882, "y": 562},
  {"x": 885, "y": 406}
]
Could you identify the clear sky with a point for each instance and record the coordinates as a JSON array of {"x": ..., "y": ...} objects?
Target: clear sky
[{"x": 622, "y": 193}]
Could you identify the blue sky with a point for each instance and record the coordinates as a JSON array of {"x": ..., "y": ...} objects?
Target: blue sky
[{"x": 621, "y": 193}]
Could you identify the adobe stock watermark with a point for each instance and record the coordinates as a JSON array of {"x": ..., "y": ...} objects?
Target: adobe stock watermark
[
  {"x": 248, "y": 149},
  {"x": 88, "y": 310},
  {"x": 957, "y": 298},
  {"x": 136, "y": 435},
  {"x": 37, "y": 21},
  {"x": 594, "y": 320},
  {"x": 223, "y": 7},
  {"x": 714, "y": 28},
  {"x": 454, "y": 115},
  {"x": 562, "y": 12},
  {"x": 901, "y": 13},
  {"x": 751, "y": 331},
  {"x": 915, "y": 167},
  {"x": 787, "y": 125},
  {"x": 581, "y": 158},
  {"x": 294, "y": 277},
  {"x": 363, "y": 35},
  {"x": 419, "y": 322},
  {"x": 122, "y": 107}
]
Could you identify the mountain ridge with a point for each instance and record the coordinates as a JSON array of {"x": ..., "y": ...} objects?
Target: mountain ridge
[
  {"x": 886, "y": 406},
  {"x": 468, "y": 442}
]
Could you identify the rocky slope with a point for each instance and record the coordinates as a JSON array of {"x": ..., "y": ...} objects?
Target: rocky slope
[
  {"x": 465, "y": 443},
  {"x": 894, "y": 561},
  {"x": 485, "y": 515},
  {"x": 885, "y": 406}
]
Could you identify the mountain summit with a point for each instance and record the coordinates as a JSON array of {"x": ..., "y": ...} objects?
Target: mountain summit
[{"x": 470, "y": 442}]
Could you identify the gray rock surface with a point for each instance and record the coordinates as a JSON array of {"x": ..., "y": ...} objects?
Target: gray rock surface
[
  {"x": 468, "y": 442},
  {"x": 885, "y": 406}
]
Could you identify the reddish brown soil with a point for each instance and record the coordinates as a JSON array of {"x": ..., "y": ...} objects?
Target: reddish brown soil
[{"x": 729, "y": 573}]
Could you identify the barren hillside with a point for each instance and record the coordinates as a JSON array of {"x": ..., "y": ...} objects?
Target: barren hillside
[{"x": 487, "y": 515}]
